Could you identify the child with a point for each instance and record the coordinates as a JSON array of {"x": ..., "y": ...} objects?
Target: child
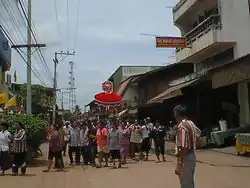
[{"x": 114, "y": 146}]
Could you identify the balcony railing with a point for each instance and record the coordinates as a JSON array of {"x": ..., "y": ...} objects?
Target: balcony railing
[
  {"x": 204, "y": 27},
  {"x": 179, "y": 4}
]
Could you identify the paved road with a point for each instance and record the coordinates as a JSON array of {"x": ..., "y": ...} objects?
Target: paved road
[{"x": 140, "y": 175}]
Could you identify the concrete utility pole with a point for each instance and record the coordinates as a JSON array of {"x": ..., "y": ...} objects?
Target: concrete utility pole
[
  {"x": 29, "y": 47},
  {"x": 56, "y": 62},
  {"x": 29, "y": 53}
]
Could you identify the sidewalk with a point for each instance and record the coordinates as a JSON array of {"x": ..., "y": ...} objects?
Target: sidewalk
[{"x": 214, "y": 158}]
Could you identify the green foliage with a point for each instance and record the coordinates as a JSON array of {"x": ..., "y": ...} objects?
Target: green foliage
[
  {"x": 35, "y": 126},
  {"x": 67, "y": 115},
  {"x": 42, "y": 97}
]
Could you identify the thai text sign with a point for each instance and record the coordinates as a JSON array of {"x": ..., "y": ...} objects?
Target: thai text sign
[
  {"x": 5, "y": 50},
  {"x": 171, "y": 42}
]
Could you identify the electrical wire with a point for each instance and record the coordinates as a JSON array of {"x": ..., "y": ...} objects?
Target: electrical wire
[
  {"x": 67, "y": 26},
  {"x": 57, "y": 17},
  {"x": 77, "y": 23},
  {"x": 19, "y": 52},
  {"x": 36, "y": 41},
  {"x": 17, "y": 21}
]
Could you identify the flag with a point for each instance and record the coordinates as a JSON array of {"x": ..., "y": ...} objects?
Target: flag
[
  {"x": 11, "y": 103},
  {"x": 4, "y": 98}
]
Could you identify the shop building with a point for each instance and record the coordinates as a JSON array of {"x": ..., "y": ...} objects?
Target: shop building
[
  {"x": 5, "y": 61},
  {"x": 216, "y": 32}
]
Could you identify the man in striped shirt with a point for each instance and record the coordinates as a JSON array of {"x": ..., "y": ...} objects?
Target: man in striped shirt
[{"x": 186, "y": 138}]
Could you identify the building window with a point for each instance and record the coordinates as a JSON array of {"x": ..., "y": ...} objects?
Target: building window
[{"x": 249, "y": 6}]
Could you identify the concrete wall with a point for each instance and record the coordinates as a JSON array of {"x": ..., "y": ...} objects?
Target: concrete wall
[
  {"x": 235, "y": 18},
  {"x": 131, "y": 94},
  {"x": 129, "y": 71}
]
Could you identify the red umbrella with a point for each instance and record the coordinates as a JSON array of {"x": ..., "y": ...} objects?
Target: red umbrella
[{"x": 108, "y": 97}]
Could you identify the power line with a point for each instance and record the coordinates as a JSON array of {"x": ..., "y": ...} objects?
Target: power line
[
  {"x": 77, "y": 23},
  {"x": 67, "y": 26},
  {"x": 34, "y": 36},
  {"x": 57, "y": 18},
  {"x": 10, "y": 9},
  {"x": 19, "y": 52}
]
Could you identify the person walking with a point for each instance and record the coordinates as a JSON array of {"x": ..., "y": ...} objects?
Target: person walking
[
  {"x": 124, "y": 142},
  {"x": 135, "y": 139},
  {"x": 92, "y": 143},
  {"x": 66, "y": 129},
  {"x": 84, "y": 143},
  {"x": 114, "y": 145},
  {"x": 55, "y": 148},
  {"x": 145, "y": 143},
  {"x": 158, "y": 135},
  {"x": 5, "y": 139},
  {"x": 19, "y": 149},
  {"x": 74, "y": 144},
  {"x": 102, "y": 145},
  {"x": 186, "y": 138}
]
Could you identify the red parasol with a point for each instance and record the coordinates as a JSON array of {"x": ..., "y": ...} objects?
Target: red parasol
[{"x": 108, "y": 97}]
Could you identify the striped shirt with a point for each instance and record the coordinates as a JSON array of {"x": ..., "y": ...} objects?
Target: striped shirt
[
  {"x": 19, "y": 141},
  {"x": 187, "y": 135}
]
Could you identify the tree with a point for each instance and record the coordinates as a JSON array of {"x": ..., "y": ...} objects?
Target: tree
[{"x": 42, "y": 97}]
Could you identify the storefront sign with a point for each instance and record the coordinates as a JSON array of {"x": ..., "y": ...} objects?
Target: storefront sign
[
  {"x": 232, "y": 75},
  {"x": 171, "y": 42},
  {"x": 5, "y": 51}
]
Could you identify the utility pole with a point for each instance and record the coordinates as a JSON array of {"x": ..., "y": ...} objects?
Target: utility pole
[
  {"x": 29, "y": 47},
  {"x": 56, "y": 62},
  {"x": 29, "y": 53}
]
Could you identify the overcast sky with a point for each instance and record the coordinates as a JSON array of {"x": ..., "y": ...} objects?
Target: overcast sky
[{"x": 108, "y": 36}]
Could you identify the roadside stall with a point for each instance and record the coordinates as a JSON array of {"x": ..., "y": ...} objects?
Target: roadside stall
[{"x": 242, "y": 143}]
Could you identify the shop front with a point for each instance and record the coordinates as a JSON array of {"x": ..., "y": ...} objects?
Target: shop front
[
  {"x": 237, "y": 77},
  {"x": 231, "y": 95}
]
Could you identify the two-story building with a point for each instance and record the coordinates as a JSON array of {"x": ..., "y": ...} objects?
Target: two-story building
[
  {"x": 5, "y": 61},
  {"x": 216, "y": 32}
]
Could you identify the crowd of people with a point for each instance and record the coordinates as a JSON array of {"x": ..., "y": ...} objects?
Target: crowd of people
[{"x": 109, "y": 140}]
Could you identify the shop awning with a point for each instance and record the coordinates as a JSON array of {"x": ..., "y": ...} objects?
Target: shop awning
[
  {"x": 171, "y": 92},
  {"x": 123, "y": 86}
]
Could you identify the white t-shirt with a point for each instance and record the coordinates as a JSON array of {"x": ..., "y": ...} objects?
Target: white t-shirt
[
  {"x": 4, "y": 140},
  {"x": 150, "y": 126},
  {"x": 135, "y": 135},
  {"x": 145, "y": 132}
]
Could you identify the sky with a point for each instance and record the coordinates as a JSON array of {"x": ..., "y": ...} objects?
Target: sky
[{"x": 107, "y": 36}]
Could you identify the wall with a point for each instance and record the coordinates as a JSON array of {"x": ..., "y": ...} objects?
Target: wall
[
  {"x": 117, "y": 77},
  {"x": 131, "y": 94},
  {"x": 129, "y": 71},
  {"x": 235, "y": 19}
]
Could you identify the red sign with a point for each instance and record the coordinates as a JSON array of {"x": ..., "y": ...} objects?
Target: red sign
[{"x": 171, "y": 42}]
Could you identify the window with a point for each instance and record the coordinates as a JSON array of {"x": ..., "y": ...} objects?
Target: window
[{"x": 248, "y": 6}]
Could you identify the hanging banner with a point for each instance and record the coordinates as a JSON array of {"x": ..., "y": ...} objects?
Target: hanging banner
[{"x": 171, "y": 42}]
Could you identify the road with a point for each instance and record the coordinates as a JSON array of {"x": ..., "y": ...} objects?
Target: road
[{"x": 136, "y": 174}]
